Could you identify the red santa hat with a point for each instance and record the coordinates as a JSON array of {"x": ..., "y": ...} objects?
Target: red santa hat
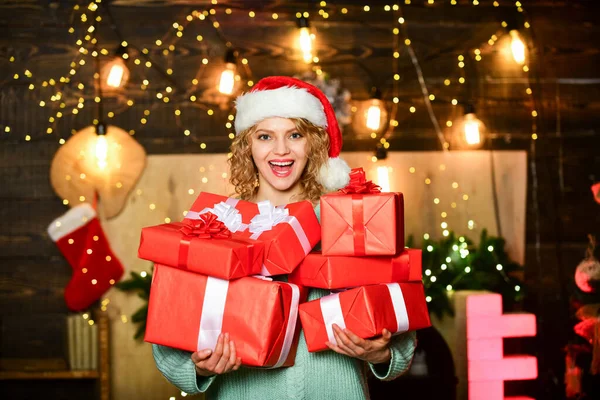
[{"x": 282, "y": 96}]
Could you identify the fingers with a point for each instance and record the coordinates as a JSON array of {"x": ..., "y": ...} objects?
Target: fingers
[
  {"x": 355, "y": 339},
  {"x": 221, "y": 366},
  {"x": 337, "y": 349},
  {"x": 386, "y": 335},
  {"x": 234, "y": 361},
  {"x": 346, "y": 344},
  {"x": 384, "y": 340},
  {"x": 222, "y": 360},
  {"x": 201, "y": 355}
]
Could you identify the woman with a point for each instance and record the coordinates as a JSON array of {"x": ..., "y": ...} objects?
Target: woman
[{"x": 286, "y": 150}]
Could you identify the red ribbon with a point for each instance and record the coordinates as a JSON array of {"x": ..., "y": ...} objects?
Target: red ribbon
[
  {"x": 207, "y": 227},
  {"x": 359, "y": 184},
  {"x": 358, "y": 225}
]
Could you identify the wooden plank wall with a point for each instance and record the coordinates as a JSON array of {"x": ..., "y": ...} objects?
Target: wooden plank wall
[{"x": 565, "y": 162}]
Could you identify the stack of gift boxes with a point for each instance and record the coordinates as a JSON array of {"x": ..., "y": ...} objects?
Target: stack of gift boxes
[{"x": 212, "y": 273}]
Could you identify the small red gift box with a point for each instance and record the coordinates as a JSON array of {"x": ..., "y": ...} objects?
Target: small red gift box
[
  {"x": 207, "y": 200},
  {"x": 360, "y": 221},
  {"x": 289, "y": 233},
  {"x": 365, "y": 311},
  {"x": 341, "y": 272},
  {"x": 188, "y": 311},
  {"x": 202, "y": 246}
]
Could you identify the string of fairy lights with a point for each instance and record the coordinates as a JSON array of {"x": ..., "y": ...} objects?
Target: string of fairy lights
[{"x": 66, "y": 94}]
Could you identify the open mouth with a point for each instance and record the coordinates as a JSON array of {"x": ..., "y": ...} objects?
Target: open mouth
[{"x": 281, "y": 168}]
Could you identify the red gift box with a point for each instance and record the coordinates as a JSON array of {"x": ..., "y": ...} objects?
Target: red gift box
[
  {"x": 289, "y": 234},
  {"x": 177, "y": 245},
  {"x": 365, "y": 311},
  {"x": 341, "y": 272},
  {"x": 360, "y": 221},
  {"x": 188, "y": 311}
]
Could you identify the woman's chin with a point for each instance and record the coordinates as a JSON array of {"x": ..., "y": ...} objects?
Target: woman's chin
[{"x": 282, "y": 184}]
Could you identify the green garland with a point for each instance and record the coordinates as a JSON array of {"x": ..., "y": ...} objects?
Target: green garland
[
  {"x": 453, "y": 263},
  {"x": 449, "y": 264}
]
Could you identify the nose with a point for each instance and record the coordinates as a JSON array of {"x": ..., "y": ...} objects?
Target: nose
[{"x": 281, "y": 146}]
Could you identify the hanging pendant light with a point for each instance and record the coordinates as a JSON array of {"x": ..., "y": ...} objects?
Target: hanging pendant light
[
  {"x": 227, "y": 78},
  {"x": 115, "y": 74},
  {"x": 305, "y": 39},
  {"x": 374, "y": 111},
  {"x": 472, "y": 129},
  {"x": 518, "y": 50},
  {"x": 517, "y": 47}
]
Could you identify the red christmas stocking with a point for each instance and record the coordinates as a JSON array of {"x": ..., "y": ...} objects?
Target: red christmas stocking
[{"x": 81, "y": 240}]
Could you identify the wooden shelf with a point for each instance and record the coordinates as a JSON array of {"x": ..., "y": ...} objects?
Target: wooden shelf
[{"x": 20, "y": 375}]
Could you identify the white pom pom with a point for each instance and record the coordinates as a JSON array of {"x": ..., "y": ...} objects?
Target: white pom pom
[{"x": 335, "y": 174}]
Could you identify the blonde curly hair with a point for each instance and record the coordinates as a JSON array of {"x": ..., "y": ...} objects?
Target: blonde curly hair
[{"x": 244, "y": 171}]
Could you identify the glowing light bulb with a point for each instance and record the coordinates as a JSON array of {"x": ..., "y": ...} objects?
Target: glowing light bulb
[
  {"x": 373, "y": 117},
  {"x": 472, "y": 130},
  {"x": 101, "y": 151},
  {"x": 517, "y": 47},
  {"x": 383, "y": 178},
  {"x": 227, "y": 80},
  {"x": 306, "y": 44},
  {"x": 472, "y": 135},
  {"x": 115, "y": 76}
]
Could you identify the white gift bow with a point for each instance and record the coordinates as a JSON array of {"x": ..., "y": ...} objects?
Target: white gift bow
[
  {"x": 213, "y": 309},
  {"x": 268, "y": 216},
  {"x": 331, "y": 309},
  {"x": 226, "y": 213}
]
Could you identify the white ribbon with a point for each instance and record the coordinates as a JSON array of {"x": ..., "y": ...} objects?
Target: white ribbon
[
  {"x": 268, "y": 216},
  {"x": 226, "y": 213},
  {"x": 399, "y": 307},
  {"x": 290, "y": 328},
  {"x": 331, "y": 309},
  {"x": 213, "y": 308}
]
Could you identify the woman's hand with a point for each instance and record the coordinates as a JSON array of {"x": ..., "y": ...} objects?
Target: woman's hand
[
  {"x": 221, "y": 361},
  {"x": 375, "y": 351}
]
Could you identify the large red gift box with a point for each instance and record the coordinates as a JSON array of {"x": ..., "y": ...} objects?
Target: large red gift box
[
  {"x": 365, "y": 311},
  {"x": 289, "y": 234},
  {"x": 188, "y": 311},
  {"x": 360, "y": 221},
  {"x": 175, "y": 245},
  {"x": 341, "y": 272}
]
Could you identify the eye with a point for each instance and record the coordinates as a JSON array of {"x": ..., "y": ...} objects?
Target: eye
[
  {"x": 296, "y": 135},
  {"x": 263, "y": 136}
]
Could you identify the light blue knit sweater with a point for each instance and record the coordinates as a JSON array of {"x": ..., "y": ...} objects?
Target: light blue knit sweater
[{"x": 324, "y": 375}]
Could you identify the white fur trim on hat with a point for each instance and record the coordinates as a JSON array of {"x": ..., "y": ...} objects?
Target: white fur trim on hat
[
  {"x": 285, "y": 102},
  {"x": 335, "y": 174},
  {"x": 72, "y": 220}
]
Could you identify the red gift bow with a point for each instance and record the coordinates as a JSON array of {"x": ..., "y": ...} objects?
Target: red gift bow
[
  {"x": 207, "y": 227},
  {"x": 359, "y": 184}
]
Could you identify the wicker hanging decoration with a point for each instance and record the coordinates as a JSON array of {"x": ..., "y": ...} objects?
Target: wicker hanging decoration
[{"x": 106, "y": 165}]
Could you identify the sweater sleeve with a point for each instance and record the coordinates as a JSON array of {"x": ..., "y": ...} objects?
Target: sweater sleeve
[
  {"x": 177, "y": 366},
  {"x": 402, "y": 349}
]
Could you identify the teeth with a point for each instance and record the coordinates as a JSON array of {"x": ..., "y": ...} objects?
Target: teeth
[{"x": 282, "y": 164}]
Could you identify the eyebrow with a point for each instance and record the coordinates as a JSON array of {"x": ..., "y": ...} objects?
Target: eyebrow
[{"x": 270, "y": 131}]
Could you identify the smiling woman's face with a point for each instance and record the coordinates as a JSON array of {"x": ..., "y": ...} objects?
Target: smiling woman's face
[{"x": 279, "y": 152}]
